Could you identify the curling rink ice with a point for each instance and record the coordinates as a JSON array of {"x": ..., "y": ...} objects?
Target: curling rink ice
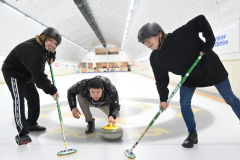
[{"x": 218, "y": 127}]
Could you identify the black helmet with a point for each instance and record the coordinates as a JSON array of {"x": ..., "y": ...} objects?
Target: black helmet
[
  {"x": 53, "y": 33},
  {"x": 149, "y": 29}
]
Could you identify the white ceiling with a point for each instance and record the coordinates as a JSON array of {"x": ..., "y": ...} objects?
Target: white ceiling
[{"x": 111, "y": 17}]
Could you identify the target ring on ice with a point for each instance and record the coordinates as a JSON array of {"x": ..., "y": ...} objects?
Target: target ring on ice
[{"x": 134, "y": 116}]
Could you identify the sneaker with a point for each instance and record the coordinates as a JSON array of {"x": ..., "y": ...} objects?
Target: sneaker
[
  {"x": 90, "y": 127},
  {"x": 36, "y": 128},
  {"x": 23, "y": 139}
]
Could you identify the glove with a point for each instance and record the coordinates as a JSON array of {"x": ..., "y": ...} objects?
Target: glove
[{"x": 52, "y": 55}]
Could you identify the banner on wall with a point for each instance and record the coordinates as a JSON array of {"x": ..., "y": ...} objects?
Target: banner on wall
[
  {"x": 2, "y": 59},
  {"x": 227, "y": 38},
  {"x": 56, "y": 64},
  {"x": 142, "y": 61},
  {"x": 64, "y": 65}
]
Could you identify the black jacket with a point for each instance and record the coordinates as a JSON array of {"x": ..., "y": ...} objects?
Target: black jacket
[
  {"x": 26, "y": 63},
  {"x": 109, "y": 96},
  {"x": 178, "y": 52}
]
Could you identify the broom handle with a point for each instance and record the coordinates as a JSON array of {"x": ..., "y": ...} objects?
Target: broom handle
[
  {"x": 168, "y": 100},
  {"x": 58, "y": 106}
]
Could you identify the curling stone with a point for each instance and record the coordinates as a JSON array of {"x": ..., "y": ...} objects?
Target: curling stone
[{"x": 111, "y": 132}]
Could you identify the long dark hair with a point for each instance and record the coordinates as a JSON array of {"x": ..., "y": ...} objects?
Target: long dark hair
[{"x": 164, "y": 35}]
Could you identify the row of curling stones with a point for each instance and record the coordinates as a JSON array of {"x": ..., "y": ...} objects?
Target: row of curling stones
[{"x": 111, "y": 132}]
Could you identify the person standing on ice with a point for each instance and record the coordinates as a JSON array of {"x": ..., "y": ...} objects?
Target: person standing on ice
[
  {"x": 24, "y": 67},
  {"x": 96, "y": 92},
  {"x": 175, "y": 52}
]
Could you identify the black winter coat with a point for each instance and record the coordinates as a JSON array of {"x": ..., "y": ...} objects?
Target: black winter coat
[
  {"x": 178, "y": 52},
  {"x": 26, "y": 63},
  {"x": 109, "y": 96}
]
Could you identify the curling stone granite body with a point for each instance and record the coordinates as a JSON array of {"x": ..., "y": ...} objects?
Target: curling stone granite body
[{"x": 111, "y": 132}]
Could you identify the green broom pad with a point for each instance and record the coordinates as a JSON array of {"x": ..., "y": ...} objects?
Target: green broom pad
[
  {"x": 129, "y": 154},
  {"x": 68, "y": 152}
]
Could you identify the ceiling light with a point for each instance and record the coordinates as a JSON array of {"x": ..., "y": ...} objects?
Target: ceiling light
[
  {"x": 13, "y": 9},
  {"x": 74, "y": 43},
  {"x": 34, "y": 21},
  {"x": 128, "y": 22}
]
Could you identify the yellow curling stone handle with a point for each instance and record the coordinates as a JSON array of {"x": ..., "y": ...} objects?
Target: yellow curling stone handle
[{"x": 111, "y": 127}]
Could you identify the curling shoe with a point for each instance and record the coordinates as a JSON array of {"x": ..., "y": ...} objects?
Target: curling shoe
[
  {"x": 23, "y": 139},
  {"x": 90, "y": 127},
  {"x": 191, "y": 140},
  {"x": 36, "y": 128}
]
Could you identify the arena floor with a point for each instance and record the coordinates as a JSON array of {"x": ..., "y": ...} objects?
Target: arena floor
[{"x": 218, "y": 127}]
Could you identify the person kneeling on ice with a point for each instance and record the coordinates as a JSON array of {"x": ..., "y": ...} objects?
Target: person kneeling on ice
[
  {"x": 175, "y": 52},
  {"x": 24, "y": 67},
  {"x": 96, "y": 92}
]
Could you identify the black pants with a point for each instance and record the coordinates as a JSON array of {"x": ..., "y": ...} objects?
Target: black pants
[{"x": 20, "y": 91}]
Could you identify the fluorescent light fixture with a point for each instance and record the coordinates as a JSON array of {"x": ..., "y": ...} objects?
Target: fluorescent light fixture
[
  {"x": 127, "y": 25},
  {"x": 13, "y": 9},
  {"x": 131, "y": 5},
  {"x": 129, "y": 16},
  {"x": 64, "y": 38},
  {"x": 34, "y": 21},
  {"x": 218, "y": 32},
  {"x": 128, "y": 21},
  {"x": 231, "y": 26},
  {"x": 44, "y": 27},
  {"x": 74, "y": 43},
  {"x": 21, "y": 14}
]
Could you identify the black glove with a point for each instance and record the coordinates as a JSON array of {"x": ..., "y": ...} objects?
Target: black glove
[{"x": 52, "y": 55}]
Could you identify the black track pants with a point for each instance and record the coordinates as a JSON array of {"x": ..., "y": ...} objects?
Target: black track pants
[
  {"x": 19, "y": 91},
  {"x": 32, "y": 97}
]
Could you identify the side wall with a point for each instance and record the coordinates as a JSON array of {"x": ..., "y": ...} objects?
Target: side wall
[
  {"x": 231, "y": 65},
  {"x": 56, "y": 72}
]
